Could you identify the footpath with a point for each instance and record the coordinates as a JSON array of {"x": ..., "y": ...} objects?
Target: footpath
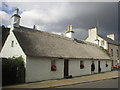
[{"x": 70, "y": 81}]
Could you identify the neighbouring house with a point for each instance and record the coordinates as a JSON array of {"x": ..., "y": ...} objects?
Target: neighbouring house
[
  {"x": 107, "y": 43},
  {"x": 50, "y": 56}
]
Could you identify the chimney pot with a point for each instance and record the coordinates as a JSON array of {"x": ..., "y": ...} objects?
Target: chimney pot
[
  {"x": 70, "y": 32},
  {"x": 34, "y": 27},
  {"x": 111, "y": 36}
]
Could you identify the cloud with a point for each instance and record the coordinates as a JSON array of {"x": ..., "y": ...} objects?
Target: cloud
[
  {"x": 62, "y": 0},
  {"x": 55, "y": 17},
  {"x": 5, "y": 18}
]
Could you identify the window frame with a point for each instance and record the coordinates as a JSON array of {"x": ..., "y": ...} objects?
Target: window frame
[
  {"x": 112, "y": 52},
  {"x": 12, "y": 43},
  {"x": 53, "y": 63},
  {"x": 117, "y": 53},
  {"x": 106, "y": 64},
  {"x": 102, "y": 42},
  {"x": 82, "y": 63}
]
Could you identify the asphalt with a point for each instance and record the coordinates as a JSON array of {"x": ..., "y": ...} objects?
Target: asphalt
[{"x": 70, "y": 81}]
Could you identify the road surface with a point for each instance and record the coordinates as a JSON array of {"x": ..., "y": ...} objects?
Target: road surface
[{"x": 110, "y": 83}]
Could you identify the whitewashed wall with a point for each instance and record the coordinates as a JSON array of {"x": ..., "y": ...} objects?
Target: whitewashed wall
[
  {"x": 109, "y": 65},
  {"x": 74, "y": 67},
  {"x": 96, "y": 65},
  {"x": 8, "y": 51},
  {"x": 105, "y": 46},
  {"x": 38, "y": 69},
  {"x": 103, "y": 65}
]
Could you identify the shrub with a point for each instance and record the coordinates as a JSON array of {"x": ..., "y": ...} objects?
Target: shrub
[{"x": 13, "y": 70}]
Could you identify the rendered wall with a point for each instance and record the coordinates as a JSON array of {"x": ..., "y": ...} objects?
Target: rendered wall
[
  {"x": 74, "y": 67},
  {"x": 38, "y": 69}
]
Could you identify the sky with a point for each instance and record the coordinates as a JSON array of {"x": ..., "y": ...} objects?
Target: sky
[{"x": 54, "y": 17}]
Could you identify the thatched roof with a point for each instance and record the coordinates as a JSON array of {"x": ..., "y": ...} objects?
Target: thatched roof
[{"x": 44, "y": 44}]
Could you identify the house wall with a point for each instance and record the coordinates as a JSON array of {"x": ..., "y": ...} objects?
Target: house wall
[
  {"x": 103, "y": 65},
  {"x": 116, "y": 56},
  {"x": 105, "y": 45},
  {"x": 8, "y": 51},
  {"x": 38, "y": 69},
  {"x": 74, "y": 66}
]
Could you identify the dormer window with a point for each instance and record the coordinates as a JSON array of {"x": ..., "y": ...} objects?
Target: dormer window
[{"x": 12, "y": 44}]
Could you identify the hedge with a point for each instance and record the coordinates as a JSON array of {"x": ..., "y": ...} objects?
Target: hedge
[{"x": 13, "y": 70}]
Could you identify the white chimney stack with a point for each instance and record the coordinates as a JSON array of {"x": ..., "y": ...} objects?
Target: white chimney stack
[
  {"x": 15, "y": 19},
  {"x": 93, "y": 32},
  {"x": 70, "y": 32},
  {"x": 111, "y": 36}
]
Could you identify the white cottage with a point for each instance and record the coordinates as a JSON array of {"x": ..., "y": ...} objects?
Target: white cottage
[{"x": 50, "y": 56}]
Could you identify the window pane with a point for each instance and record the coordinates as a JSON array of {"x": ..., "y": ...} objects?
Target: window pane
[{"x": 12, "y": 43}]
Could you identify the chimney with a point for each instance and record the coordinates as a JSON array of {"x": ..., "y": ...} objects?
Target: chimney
[
  {"x": 15, "y": 19},
  {"x": 70, "y": 32},
  {"x": 93, "y": 32},
  {"x": 34, "y": 27},
  {"x": 111, "y": 36}
]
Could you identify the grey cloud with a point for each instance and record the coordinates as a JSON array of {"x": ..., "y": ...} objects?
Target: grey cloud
[
  {"x": 82, "y": 15},
  {"x": 86, "y": 15}
]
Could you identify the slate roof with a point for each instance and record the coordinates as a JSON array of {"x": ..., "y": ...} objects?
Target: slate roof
[
  {"x": 44, "y": 44},
  {"x": 109, "y": 40}
]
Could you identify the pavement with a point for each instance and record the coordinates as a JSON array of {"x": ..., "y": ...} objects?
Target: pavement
[{"x": 70, "y": 81}]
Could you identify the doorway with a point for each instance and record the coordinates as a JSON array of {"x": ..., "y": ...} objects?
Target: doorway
[
  {"x": 66, "y": 68},
  {"x": 99, "y": 68}
]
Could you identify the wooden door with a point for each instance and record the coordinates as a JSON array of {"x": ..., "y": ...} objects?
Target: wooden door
[
  {"x": 99, "y": 68},
  {"x": 66, "y": 68}
]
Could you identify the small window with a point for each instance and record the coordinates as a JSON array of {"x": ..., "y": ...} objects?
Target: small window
[
  {"x": 111, "y": 52},
  {"x": 117, "y": 53},
  {"x": 12, "y": 44},
  {"x": 102, "y": 43},
  {"x": 53, "y": 65},
  {"x": 81, "y": 65},
  {"x": 106, "y": 64}
]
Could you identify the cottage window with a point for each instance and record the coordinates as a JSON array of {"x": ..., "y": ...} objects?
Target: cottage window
[
  {"x": 81, "y": 65},
  {"x": 102, "y": 43},
  {"x": 117, "y": 53},
  {"x": 106, "y": 64},
  {"x": 111, "y": 52},
  {"x": 53, "y": 65},
  {"x": 12, "y": 44}
]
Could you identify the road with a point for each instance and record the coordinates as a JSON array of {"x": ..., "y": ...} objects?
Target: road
[{"x": 110, "y": 83}]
